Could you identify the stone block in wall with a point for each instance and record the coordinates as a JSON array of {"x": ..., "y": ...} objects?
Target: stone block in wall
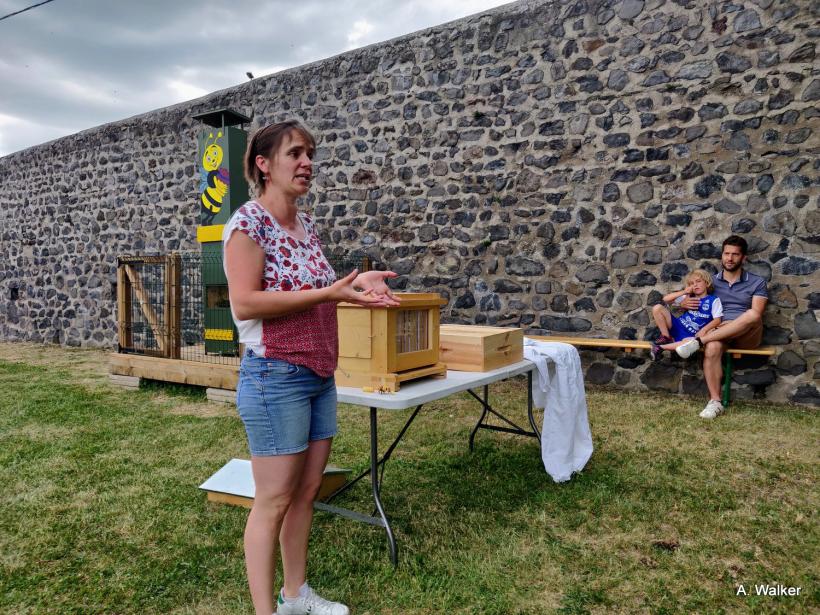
[
  {"x": 790, "y": 363},
  {"x": 806, "y": 326},
  {"x": 600, "y": 373},
  {"x": 694, "y": 384},
  {"x": 806, "y": 394},
  {"x": 662, "y": 377}
]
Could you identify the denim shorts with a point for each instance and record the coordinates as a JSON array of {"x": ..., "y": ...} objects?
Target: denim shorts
[{"x": 284, "y": 406}]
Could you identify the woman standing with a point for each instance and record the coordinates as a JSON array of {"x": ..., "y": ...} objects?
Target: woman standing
[{"x": 283, "y": 296}]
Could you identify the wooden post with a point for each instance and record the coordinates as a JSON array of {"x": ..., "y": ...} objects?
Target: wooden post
[
  {"x": 124, "y": 325},
  {"x": 173, "y": 293},
  {"x": 167, "y": 290},
  {"x": 145, "y": 305},
  {"x": 170, "y": 308}
]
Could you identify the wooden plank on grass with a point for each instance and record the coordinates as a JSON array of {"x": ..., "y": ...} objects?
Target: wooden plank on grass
[{"x": 172, "y": 370}]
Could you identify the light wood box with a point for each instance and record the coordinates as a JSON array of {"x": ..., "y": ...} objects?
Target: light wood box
[
  {"x": 474, "y": 348},
  {"x": 385, "y": 346}
]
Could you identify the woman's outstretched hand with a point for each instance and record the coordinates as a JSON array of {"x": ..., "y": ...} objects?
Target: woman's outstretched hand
[
  {"x": 376, "y": 282},
  {"x": 374, "y": 291}
]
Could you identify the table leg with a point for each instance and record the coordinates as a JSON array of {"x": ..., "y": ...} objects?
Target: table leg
[
  {"x": 529, "y": 408},
  {"x": 376, "y": 473},
  {"x": 374, "y": 481},
  {"x": 486, "y": 409}
]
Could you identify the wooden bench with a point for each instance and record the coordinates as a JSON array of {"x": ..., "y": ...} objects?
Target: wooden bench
[{"x": 631, "y": 345}]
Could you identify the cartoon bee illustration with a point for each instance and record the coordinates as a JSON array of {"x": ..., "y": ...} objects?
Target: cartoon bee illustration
[{"x": 214, "y": 182}]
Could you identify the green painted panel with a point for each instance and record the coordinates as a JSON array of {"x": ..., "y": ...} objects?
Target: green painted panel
[
  {"x": 222, "y": 186},
  {"x": 222, "y": 190}
]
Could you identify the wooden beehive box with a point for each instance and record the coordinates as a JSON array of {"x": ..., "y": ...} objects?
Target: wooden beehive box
[
  {"x": 385, "y": 346},
  {"x": 473, "y": 348}
]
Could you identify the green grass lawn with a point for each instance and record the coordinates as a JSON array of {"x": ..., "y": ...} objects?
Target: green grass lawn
[{"x": 100, "y": 510}]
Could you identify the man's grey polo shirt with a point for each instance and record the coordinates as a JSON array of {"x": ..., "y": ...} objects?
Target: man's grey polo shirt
[{"x": 737, "y": 298}]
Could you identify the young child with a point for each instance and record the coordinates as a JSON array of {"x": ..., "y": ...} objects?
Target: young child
[{"x": 675, "y": 330}]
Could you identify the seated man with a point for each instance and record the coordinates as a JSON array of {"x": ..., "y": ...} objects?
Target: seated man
[{"x": 744, "y": 296}]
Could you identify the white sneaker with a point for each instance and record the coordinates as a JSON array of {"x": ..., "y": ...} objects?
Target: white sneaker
[
  {"x": 688, "y": 348},
  {"x": 309, "y": 604},
  {"x": 712, "y": 409}
]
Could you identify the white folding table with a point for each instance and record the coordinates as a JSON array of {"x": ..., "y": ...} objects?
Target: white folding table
[{"x": 417, "y": 394}]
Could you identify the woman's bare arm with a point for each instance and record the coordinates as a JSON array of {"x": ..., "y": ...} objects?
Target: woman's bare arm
[{"x": 245, "y": 264}]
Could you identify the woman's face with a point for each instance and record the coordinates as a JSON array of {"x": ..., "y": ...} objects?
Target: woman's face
[{"x": 290, "y": 169}]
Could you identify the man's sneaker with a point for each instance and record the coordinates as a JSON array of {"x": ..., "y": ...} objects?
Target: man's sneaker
[
  {"x": 688, "y": 348},
  {"x": 309, "y": 604},
  {"x": 664, "y": 339},
  {"x": 655, "y": 351},
  {"x": 712, "y": 409}
]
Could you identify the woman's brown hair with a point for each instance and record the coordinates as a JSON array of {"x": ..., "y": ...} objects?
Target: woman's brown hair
[{"x": 265, "y": 142}]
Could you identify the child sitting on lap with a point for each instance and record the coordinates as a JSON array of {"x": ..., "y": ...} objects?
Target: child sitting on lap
[{"x": 693, "y": 323}]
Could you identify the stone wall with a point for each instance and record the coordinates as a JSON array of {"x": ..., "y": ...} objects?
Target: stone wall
[{"x": 553, "y": 165}]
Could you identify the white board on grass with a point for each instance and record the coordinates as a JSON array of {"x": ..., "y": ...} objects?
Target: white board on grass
[{"x": 234, "y": 478}]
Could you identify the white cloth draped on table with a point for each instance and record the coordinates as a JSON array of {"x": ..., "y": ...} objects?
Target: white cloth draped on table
[{"x": 566, "y": 440}]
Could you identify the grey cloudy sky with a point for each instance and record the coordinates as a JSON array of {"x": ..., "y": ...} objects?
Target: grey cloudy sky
[{"x": 73, "y": 64}]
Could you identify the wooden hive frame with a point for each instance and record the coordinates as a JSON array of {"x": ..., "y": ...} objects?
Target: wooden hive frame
[
  {"x": 385, "y": 346},
  {"x": 478, "y": 348}
]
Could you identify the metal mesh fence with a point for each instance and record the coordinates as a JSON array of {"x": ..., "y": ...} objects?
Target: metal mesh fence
[{"x": 176, "y": 306}]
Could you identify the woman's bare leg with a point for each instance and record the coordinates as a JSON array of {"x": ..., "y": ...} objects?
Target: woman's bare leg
[
  {"x": 276, "y": 479},
  {"x": 295, "y": 531}
]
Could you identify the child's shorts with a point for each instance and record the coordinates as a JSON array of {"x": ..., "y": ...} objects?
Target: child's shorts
[
  {"x": 284, "y": 406},
  {"x": 678, "y": 331}
]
